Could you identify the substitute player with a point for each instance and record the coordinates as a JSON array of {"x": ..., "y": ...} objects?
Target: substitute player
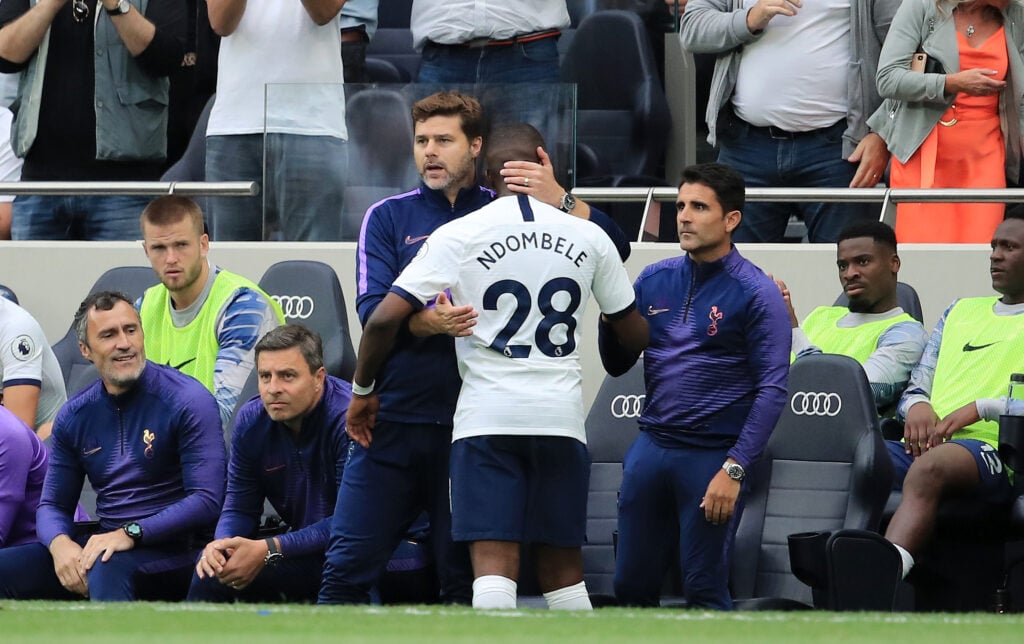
[{"x": 519, "y": 464}]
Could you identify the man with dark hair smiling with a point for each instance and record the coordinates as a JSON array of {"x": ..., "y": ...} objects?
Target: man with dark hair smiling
[
  {"x": 872, "y": 328},
  {"x": 149, "y": 439}
]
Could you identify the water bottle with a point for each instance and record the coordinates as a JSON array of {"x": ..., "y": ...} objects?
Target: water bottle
[{"x": 1011, "y": 424}]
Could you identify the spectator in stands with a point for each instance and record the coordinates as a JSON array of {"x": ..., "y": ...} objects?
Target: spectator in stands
[
  {"x": 10, "y": 164},
  {"x": 358, "y": 24},
  {"x": 10, "y": 170},
  {"x": 519, "y": 465},
  {"x": 951, "y": 406},
  {"x": 289, "y": 448},
  {"x": 149, "y": 440},
  {"x": 496, "y": 43},
  {"x": 23, "y": 459},
  {"x": 103, "y": 114},
  {"x": 871, "y": 328},
  {"x": 464, "y": 41},
  {"x": 33, "y": 385},
  {"x": 279, "y": 72},
  {"x": 201, "y": 319},
  {"x": 783, "y": 111},
  {"x": 949, "y": 129},
  {"x": 419, "y": 384},
  {"x": 715, "y": 371}
]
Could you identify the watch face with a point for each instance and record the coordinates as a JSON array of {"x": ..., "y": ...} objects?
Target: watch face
[
  {"x": 568, "y": 202},
  {"x": 735, "y": 471},
  {"x": 133, "y": 530}
]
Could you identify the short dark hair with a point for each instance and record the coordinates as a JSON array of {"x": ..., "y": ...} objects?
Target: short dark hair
[
  {"x": 171, "y": 209},
  {"x": 294, "y": 335},
  {"x": 725, "y": 181},
  {"x": 879, "y": 231},
  {"x": 448, "y": 103},
  {"x": 101, "y": 301},
  {"x": 512, "y": 142}
]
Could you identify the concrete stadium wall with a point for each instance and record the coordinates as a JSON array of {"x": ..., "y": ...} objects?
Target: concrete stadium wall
[{"x": 51, "y": 278}]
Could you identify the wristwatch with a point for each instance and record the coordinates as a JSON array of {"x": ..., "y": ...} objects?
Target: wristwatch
[
  {"x": 568, "y": 203},
  {"x": 122, "y": 8},
  {"x": 274, "y": 555},
  {"x": 133, "y": 530},
  {"x": 734, "y": 470}
]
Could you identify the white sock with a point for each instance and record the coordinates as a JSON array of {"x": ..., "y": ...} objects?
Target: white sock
[
  {"x": 573, "y": 597},
  {"x": 908, "y": 559},
  {"x": 494, "y": 591}
]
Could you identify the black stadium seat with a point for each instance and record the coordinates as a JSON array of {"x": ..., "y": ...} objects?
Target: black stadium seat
[
  {"x": 825, "y": 468},
  {"x": 79, "y": 372},
  {"x": 622, "y": 112},
  {"x": 380, "y": 159},
  {"x": 310, "y": 294},
  {"x": 611, "y": 428},
  {"x": 395, "y": 46}
]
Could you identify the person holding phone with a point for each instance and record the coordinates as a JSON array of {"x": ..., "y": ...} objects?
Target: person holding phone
[{"x": 949, "y": 120}]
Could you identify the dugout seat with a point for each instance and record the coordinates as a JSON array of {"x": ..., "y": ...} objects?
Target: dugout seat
[
  {"x": 825, "y": 468},
  {"x": 611, "y": 428},
  {"x": 906, "y": 297},
  {"x": 79, "y": 372},
  {"x": 310, "y": 294}
]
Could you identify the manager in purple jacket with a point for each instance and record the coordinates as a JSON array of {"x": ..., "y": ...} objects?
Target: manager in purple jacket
[
  {"x": 715, "y": 372},
  {"x": 149, "y": 438}
]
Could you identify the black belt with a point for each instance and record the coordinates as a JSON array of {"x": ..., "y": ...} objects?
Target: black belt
[
  {"x": 477, "y": 43},
  {"x": 773, "y": 132}
]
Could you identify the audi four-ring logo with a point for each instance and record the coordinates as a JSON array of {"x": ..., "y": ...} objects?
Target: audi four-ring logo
[
  {"x": 295, "y": 306},
  {"x": 627, "y": 406},
  {"x": 814, "y": 403}
]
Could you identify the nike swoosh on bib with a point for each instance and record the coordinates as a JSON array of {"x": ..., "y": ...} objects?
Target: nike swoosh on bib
[
  {"x": 190, "y": 360},
  {"x": 972, "y": 347}
]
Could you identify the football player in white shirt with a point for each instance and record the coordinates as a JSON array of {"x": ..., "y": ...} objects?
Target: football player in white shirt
[{"x": 520, "y": 274}]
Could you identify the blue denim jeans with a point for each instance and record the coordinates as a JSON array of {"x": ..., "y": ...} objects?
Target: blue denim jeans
[
  {"x": 531, "y": 62},
  {"x": 77, "y": 217},
  {"x": 302, "y": 187},
  {"x": 807, "y": 160}
]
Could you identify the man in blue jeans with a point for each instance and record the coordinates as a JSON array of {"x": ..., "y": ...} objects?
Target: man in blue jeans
[
  {"x": 500, "y": 43},
  {"x": 793, "y": 86}
]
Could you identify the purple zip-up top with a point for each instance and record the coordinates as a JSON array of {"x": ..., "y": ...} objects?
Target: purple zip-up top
[
  {"x": 718, "y": 360},
  {"x": 154, "y": 454}
]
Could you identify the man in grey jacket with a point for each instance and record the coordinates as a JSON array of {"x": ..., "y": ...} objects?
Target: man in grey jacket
[
  {"x": 793, "y": 86},
  {"x": 103, "y": 116}
]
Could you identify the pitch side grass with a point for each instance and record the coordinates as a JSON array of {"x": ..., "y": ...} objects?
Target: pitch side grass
[{"x": 82, "y": 623}]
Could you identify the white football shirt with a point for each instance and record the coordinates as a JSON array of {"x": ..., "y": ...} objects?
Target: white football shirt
[{"x": 529, "y": 270}]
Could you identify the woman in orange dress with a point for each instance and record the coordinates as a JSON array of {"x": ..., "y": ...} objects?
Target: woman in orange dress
[{"x": 958, "y": 126}]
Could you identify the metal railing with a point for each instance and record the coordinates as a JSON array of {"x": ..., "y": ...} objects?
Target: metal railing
[
  {"x": 154, "y": 188},
  {"x": 887, "y": 197}
]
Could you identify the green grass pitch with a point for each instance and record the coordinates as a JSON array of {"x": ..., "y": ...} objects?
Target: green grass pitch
[{"x": 82, "y": 623}]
